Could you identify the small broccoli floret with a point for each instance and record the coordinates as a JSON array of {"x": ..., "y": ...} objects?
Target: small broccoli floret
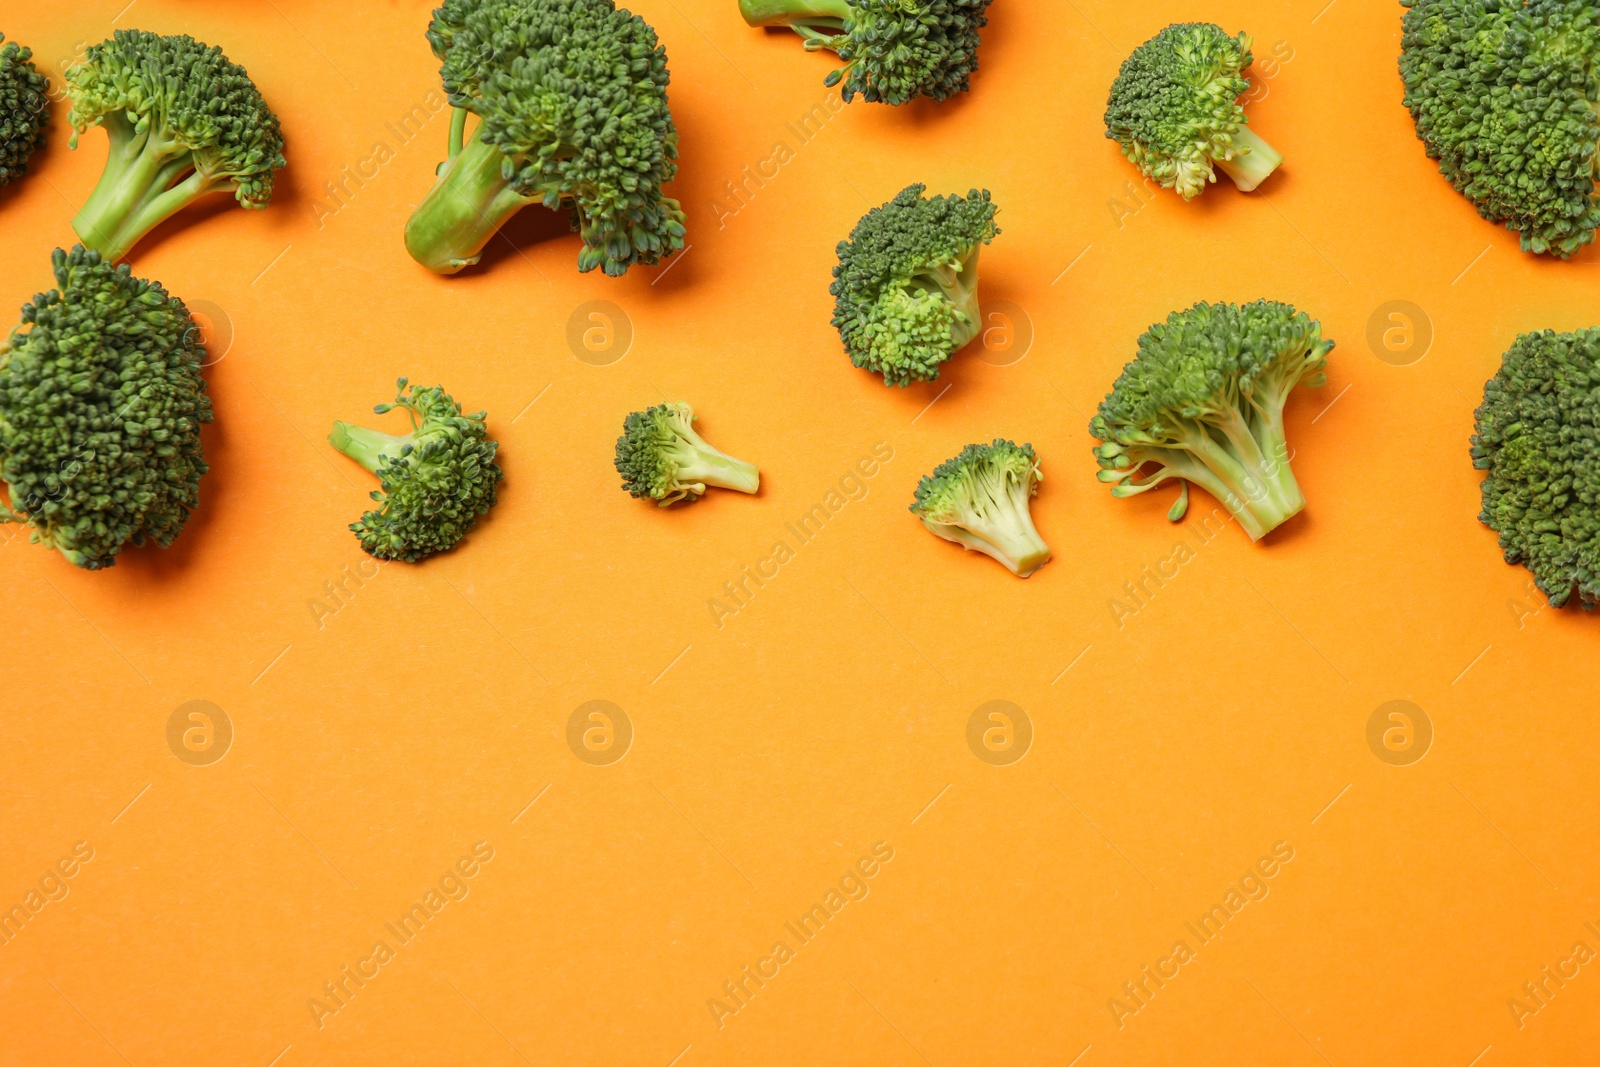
[
  {"x": 24, "y": 110},
  {"x": 906, "y": 287},
  {"x": 571, "y": 102},
  {"x": 1503, "y": 95},
  {"x": 101, "y": 403},
  {"x": 1538, "y": 437},
  {"x": 660, "y": 457},
  {"x": 1175, "y": 110},
  {"x": 893, "y": 50},
  {"x": 434, "y": 483},
  {"x": 183, "y": 123},
  {"x": 1203, "y": 403},
  {"x": 980, "y": 500}
]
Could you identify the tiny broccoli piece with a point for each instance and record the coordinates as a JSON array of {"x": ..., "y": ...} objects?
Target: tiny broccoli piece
[
  {"x": 893, "y": 50},
  {"x": 661, "y": 457},
  {"x": 906, "y": 287},
  {"x": 1175, "y": 110},
  {"x": 1503, "y": 96},
  {"x": 183, "y": 123},
  {"x": 1538, "y": 441},
  {"x": 101, "y": 402},
  {"x": 434, "y": 483},
  {"x": 980, "y": 500},
  {"x": 1203, "y": 403},
  {"x": 571, "y": 101},
  {"x": 24, "y": 110}
]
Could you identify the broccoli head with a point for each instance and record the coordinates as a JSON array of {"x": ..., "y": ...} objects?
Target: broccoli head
[
  {"x": 434, "y": 483},
  {"x": 1538, "y": 439},
  {"x": 980, "y": 500},
  {"x": 24, "y": 110},
  {"x": 893, "y": 50},
  {"x": 1503, "y": 95},
  {"x": 571, "y": 105},
  {"x": 183, "y": 123},
  {"x": 1175, "y": 110},
  {"x": 906, "y": 287},
  {"x": 1203, "y": 403},
  {"x": 661, "y": 458},
  {"x": 101, "y": 403}
]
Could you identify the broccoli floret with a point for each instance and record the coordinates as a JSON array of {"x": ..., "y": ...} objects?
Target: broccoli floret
[
  {"x": 24, "y": 110},
  {"x": 571, "y": 101},
  {"x": 434, "y": 483},
  {"x": 906, "y": 287},
  {"x": 1175, "y": 110},
  {"x": 101, "y": 403},
  {"x": 1503, "y": 95},
  {"x": 980, "y": 500},
  {"x": 661, "y": 458},
  {"x": 1537, "y": 438},
  {"x": 183, "y": 123},
  {"x": 1203, "y": 403},
  {"x": 893, "y": 50}
]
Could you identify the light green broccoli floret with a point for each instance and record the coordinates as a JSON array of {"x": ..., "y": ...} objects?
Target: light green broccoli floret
[
  {"x": 662, "y": 458},
  {"x": 981, "y": 501}
]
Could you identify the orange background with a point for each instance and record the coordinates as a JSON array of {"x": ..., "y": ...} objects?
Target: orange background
[{"x": 1172, "y": 747}]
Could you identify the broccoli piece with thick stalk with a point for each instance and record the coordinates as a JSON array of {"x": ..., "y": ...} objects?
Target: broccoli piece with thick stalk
[
  {"x": 24, "y": 110},
  {"x": 1175, "y": 110},
  {"x": 435, "y": 482},
  {"x": 183, "y": 123},
  {"x": 1203, "y": 403},
  {"x": 906, "y": 287},
  {"x": 571, "y": 102},
  {"x": 101, "y": 403},
  {"x": 980, "y": 500},
  {"x": 661, "y": 458},
  {"x": 893, "y": 50}
]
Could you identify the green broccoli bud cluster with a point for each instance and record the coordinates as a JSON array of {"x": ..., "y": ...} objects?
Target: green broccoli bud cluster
[
  {"x": 101, "y": 403},
  {"x": 906, "y": 287},
  {"x": 1175, "y": 110},
  {"x": 981, "y": 501},
  {"x": 24, "y": 110},
  {"x": 662, "y": 458}
]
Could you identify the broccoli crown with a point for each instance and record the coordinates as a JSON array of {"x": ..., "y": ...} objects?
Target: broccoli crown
[
  {"x": 1503, "y": 95},
  {"x": 1538, "y": 437},
  {"x": 980, "y": 498},
  {"x": 434, "y": 483},
  {"x": 662, "y": 458},
  {"x": 905, "y": 290},
  {"x": 897, "y": 50},
  {"x": 101, "y": 402},
  {"x": 24, "y": 109}
]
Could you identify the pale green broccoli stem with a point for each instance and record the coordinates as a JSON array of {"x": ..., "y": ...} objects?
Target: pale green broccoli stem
[
  {"x": 698, "y": 463},
  {"x": 458, "y": 130},
  {"x": 958, "y": 283},
  {"x": 831, "y": 14},
  {"x": 1252, "y": 471},
  {"x": 465, "y": 208},
  {"x": 1253, "y": 160},
  {"x": 366, "y": 446}
]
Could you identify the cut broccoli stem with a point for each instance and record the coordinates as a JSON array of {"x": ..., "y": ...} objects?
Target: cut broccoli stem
[
  {"x": 471, "y": 201},
  {"x": 831, "y": 14},
  {"x": 366, "y": 446},
  {"x": 704, "y": 464},
  {"x": 959, "y": 284},
  {"x": 458, "y": 130},
  {"x": 1253, "y": 160},
  {"x": 1258, "y": 486}
]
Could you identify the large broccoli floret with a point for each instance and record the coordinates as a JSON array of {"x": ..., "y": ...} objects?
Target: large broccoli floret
[
  {"x": 893, "y": 50},
  {"x": 661, "y": 458},
  {"x": 1504, "y": 94},
  {"x": 571, "y": 101},
  {"x": 434, "y": 483},
  {"x": 101, "y": 402},
  {"x": 24, "y": 109},
  {"x": 1538, "y": 437},
  {"x": 1175, "y": 110},
  {"x": 1203, "y": 403},
  {"x": 980, "y": 500},
  {"x": 183, "y": 122},
  {"x": 906, "y": 287}
]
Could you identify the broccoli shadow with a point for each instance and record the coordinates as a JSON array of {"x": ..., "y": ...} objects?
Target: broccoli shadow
[
  {"x": 286, "y": 195},
  {"x": 533, "y": 225}
]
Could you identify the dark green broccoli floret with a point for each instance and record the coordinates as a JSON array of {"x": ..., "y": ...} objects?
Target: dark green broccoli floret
[
  {"x": 661, "y": 458},
  {"x": 906, "y": 287},
  {"x": 1503, "y": 94},
  {"x": 571, "y": 101},
  {"x": 183, "y": 123},
  {"x": 24, "y": 109},
  {"x": 101, "y": 402},
  {"x": 1175, "y": 110},
  {"x": 1538, "y": 437},
  {"x": 434, "y": 483},
  {"x": 893, "y": 50},
  {"x": 1203, "y": 403},
  {"x": 980, "y": 500}
]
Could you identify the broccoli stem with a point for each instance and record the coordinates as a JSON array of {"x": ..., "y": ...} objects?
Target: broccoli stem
[
  {"x": 829, "y": 13},
  {"x": 719, "y": 469},
  {"x": 471, "y": 201},
  {"x": 458, "y": 130},
  {"x": 959, "y": 285},
  {"x": 1258, "y": 486},
  {"x": 367, "y": 446},
  {"x": 1253, "y": 160}
]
